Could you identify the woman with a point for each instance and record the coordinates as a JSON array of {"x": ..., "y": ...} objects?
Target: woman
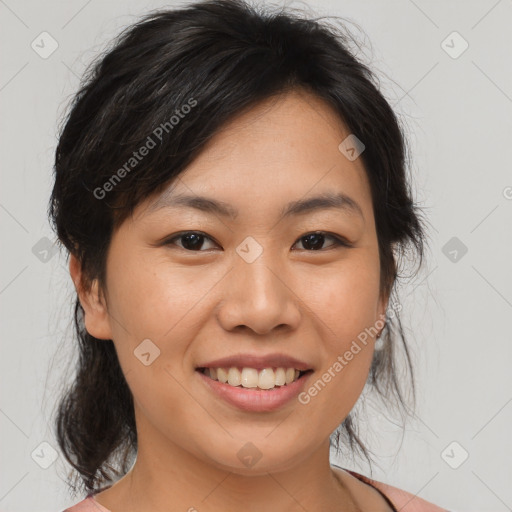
[{"x": 231, "y": 187}]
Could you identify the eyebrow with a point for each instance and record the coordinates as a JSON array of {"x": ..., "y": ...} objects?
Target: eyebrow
[{"x": 327, "y": 200}]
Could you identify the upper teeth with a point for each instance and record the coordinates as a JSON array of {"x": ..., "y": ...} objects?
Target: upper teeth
[{"x": 267, "y": 378}]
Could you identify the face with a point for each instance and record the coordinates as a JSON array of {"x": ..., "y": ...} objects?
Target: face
[{"x": 254, "y": 282}]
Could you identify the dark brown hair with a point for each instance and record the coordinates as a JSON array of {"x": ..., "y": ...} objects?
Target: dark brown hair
[{"x": 226, "y": 56}]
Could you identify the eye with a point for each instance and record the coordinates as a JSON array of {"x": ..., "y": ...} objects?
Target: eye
[
  {"x": 195, "y": 240},
  {"x": 192, "y": 240},
  {"x": 314, "y": 241}
]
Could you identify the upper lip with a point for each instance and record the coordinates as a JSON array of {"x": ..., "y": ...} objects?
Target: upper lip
[{"x": 259, "y": 362}]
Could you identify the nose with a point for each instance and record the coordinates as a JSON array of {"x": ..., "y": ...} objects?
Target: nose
[{"x": 260, "y": 298}]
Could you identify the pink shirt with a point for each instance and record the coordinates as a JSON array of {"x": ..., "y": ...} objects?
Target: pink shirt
[{"x": 402, "y": 501}]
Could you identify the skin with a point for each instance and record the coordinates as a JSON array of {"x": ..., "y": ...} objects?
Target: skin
[{"x": 199, "y": 305}]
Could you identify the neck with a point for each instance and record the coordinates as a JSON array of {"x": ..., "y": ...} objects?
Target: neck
[{"x": 173, "y": 476}]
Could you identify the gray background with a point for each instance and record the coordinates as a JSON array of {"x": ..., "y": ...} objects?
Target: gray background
[{"x": 458, "y": 113}]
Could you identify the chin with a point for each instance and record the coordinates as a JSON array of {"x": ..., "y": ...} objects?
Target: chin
[{"x": 250, "y": 459}]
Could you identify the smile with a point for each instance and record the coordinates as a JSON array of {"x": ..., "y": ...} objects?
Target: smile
[
  {"x": 267, "y": 378},
  {"x": 247, "y": 397}
]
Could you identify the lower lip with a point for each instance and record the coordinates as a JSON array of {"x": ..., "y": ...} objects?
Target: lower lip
[{"x": 256, "y": 400}]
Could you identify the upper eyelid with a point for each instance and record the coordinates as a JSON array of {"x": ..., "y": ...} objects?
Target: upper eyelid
[
  {"x": 183, "y": 233},
  {"x": 338, "y": 238}
]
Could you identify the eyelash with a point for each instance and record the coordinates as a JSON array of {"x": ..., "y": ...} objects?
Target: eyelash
[{"x": 338, "y": 241}]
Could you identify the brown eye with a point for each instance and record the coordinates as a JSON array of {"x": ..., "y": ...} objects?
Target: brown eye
[
  {"x": 314, "y": 241},
  {"x": 191, "y": 240},
  {"x": 194, "y": 241}
]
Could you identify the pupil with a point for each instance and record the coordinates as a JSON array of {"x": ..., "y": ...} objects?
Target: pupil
[
  {"x": 192, "y": 241},
  {"x": 312, "y": 237}
]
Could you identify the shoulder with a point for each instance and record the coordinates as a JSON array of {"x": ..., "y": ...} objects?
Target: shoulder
[
  {"x": 88, "y": 504},
  {"x": 401, "y": 499}
]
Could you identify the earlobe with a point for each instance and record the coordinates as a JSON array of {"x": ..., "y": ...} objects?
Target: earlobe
[{"x": 96, "y": 318}]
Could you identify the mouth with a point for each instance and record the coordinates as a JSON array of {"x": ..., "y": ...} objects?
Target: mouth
[
  {"x": 255, "y": 391},
  {"x": 267, "y": 379}
]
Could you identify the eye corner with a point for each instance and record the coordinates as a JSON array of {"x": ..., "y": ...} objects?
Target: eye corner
[
  {"x": 339, "y": 241},
  {"x": 170, "y": 241}
]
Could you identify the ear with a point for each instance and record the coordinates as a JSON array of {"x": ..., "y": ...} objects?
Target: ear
[{"x": 96, "y": 317}]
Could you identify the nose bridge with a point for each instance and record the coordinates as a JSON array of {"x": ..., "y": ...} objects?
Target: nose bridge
[
  {"x": 258, "y": 296},
  {"x": 263, "y": 287}
]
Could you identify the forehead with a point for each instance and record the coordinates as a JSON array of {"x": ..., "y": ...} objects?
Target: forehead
[{"x": 283, "y": 149}]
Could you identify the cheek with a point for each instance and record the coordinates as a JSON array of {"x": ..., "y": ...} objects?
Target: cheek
[
  {"x": 155, "y": 296},
  {"x": 165, "y": 304},
  {"x": 154, "y": 312},
  {"x": 346, "y": 299},
  {"x": 345, "y": 304}
]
